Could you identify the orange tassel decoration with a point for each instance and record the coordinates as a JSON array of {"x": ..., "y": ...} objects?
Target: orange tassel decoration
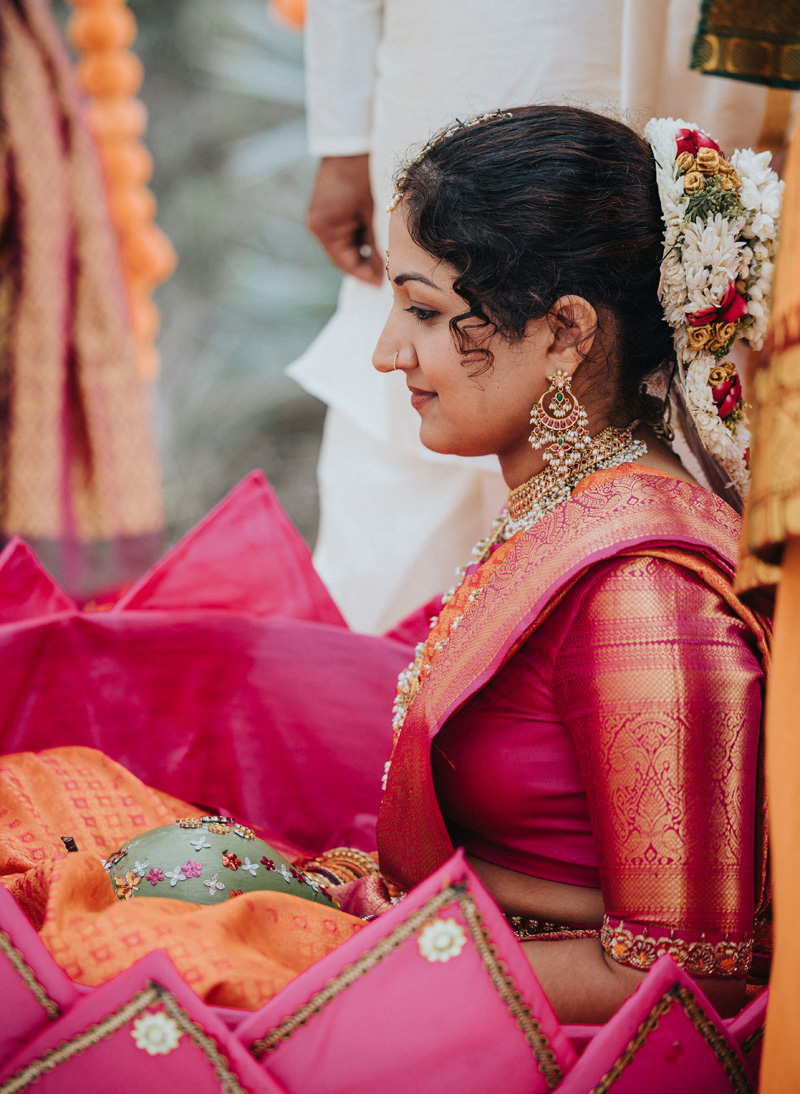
[{"x": 110, "y": 75}]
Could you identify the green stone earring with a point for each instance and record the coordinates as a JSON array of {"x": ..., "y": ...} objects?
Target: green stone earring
[{"x": 560, "y": 426}]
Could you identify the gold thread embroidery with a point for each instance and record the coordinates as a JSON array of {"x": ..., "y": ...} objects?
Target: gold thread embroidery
[
  {"x": 205, "y": 1042},
  {"x": 700, "y": 958},
  {"x": 749, "y": 1043},
  {"x": 78, "y": 1044},
  {"x": 701, "y": 1022},
  {"x": 506, "y": 989},
  {"x": 28, "y": 977},
  {"x": 503, "y": 984},
  {"x": 350, "y": 974}
]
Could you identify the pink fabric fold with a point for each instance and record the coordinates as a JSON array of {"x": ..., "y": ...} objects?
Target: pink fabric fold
[
  {"x": 226, "y": 677},
  {"x": 244, "y": 556},
  {"x": 27, "y": 591}
]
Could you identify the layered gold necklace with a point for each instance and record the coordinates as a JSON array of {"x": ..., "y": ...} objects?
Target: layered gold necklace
[{"x": 527, "y": 505}]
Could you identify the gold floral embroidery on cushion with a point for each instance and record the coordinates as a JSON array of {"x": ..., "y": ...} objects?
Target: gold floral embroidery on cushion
[{"x": 699, "y": 958}]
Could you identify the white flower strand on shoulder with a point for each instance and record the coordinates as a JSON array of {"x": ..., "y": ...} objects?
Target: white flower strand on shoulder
[{"x": 720, "y": 231}]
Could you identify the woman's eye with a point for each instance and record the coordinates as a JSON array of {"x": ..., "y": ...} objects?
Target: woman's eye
[{"x": 421, "y": 313}]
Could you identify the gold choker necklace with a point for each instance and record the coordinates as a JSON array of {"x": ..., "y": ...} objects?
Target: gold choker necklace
[{"x": 548, "y": 488}]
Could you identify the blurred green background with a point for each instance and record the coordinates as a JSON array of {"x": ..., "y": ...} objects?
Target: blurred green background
[{"x": 224, "y": 90}]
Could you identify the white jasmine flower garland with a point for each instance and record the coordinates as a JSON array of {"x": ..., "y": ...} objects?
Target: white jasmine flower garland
[{"x": 721, "y": 225}]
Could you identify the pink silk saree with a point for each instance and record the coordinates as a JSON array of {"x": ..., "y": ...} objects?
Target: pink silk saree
[{"x": 630, "y": 513}]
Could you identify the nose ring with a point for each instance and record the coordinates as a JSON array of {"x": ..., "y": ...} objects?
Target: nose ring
[{"x": 394, "y": 362}]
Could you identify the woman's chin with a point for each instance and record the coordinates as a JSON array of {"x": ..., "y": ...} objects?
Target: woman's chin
[{"x": 447, "y": 446}]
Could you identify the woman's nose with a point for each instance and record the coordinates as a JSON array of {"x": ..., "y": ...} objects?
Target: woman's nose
[{"x": 389, "y": 359}]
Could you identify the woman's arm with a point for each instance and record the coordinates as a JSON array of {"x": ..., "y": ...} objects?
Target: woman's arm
[
  {"x": 659, "y": 685},
  {"x": 587, "y": 986}
]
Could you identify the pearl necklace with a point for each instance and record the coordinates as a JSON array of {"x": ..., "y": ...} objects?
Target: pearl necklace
[{"x": 527, "y": 505}]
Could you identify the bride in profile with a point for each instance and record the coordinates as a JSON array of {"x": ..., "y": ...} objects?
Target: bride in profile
[{"x": 582, "y": 712}]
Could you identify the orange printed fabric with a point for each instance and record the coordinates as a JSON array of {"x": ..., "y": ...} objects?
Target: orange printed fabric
[{"x": 237, "y": 954}]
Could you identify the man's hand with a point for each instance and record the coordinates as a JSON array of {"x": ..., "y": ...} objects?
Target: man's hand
[{"x": 340, "y": 216}]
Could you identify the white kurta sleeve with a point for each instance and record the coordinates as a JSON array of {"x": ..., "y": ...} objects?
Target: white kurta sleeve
[{"x": 341, "y": 45}]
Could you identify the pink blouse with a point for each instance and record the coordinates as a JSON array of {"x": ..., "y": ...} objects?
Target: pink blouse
[{"x": 592, "y": 757}]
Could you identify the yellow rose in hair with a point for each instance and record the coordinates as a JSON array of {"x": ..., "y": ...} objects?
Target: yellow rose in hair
[
  {"x": 685, "y": 161},
  {"x": 699, "y": 337},
  {"x": 693, "y": 181},
  {"x": 708, "y": 161}
]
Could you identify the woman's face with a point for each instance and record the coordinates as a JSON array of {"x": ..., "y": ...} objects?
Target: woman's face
[{"x": 460, "y": 414}]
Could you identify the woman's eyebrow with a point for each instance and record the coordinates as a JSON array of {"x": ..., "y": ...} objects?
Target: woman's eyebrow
[{"x": 402, "y": 278}]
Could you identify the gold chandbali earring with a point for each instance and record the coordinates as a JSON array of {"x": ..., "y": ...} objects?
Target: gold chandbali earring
[{"x": 560, "y": 426}]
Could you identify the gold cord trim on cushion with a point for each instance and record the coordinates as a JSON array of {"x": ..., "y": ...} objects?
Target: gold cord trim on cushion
[
  {"x": 715, "y": 1040},
  {"x": 28, "y": 976},
  {"x": 499, "y": 976},
  {"x": 699, "y": 958},
  {"x": 152, "y": 995},
  {"x": 750, "y": 1042}
]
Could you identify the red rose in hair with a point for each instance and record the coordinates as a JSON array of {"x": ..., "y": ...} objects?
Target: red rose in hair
[
  {"x": 726, "y": 396},
  {"x": 690, "y": 140},
  {"x": 700, "y": 318},
  {"x": 732, "y": 307}
]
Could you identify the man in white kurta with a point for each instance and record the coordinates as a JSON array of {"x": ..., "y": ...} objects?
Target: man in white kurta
[{"x": 382, "y": 77}]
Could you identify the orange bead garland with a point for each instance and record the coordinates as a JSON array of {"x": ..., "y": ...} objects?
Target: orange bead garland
[
  {"x": 110, "y": 75},
  {"x": 292, "y": 12},
  {"x": 110, "y": 72},
  {"x": 125, "y": 162},
  {"x": 102, "y": 27}
]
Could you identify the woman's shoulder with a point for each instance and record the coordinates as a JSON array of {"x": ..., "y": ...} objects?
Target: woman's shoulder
[{"x": 613, "y": 512}]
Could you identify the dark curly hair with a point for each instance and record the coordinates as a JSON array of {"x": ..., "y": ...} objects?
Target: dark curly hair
[{"x": 540, "y": 202}]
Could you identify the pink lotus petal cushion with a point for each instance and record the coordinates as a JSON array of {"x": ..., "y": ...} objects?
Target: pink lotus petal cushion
[
  {"x": 244, "y": 556},
  {"x": 747, "y": 1029},
  {"x": 33, "y": 990},
  {"x": 666, "y": 1037},
  {"x": 427, "y": 1015},
  {"x": 27, "y": 591},
  {"x": 143, "y": 1030}
]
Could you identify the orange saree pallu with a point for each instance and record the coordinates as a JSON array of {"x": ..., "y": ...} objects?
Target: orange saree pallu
[
  {"x": 646, "y": 767},
  {"x": 78, "y": 472}
]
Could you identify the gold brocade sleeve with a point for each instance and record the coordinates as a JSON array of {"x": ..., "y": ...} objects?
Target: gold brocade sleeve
[{"x": 661, "y": 689}]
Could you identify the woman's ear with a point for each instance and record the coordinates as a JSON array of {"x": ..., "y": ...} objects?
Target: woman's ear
[{"x": 573, "y": 322}]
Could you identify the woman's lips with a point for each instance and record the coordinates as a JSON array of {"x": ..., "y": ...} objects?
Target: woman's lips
[{"x": 420, "y": 398}]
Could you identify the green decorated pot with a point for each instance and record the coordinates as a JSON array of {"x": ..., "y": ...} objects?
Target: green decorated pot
[{"x": 204, "y": 860}]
